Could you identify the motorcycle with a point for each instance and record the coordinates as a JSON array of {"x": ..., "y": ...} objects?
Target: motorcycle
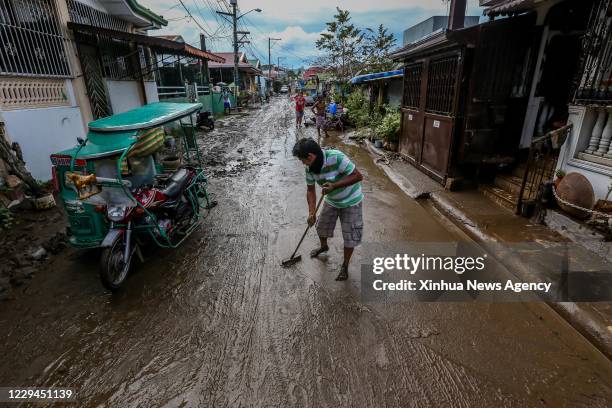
[
  {"x": 117, "y": 194},
  {"x": 205, "y": 119}
]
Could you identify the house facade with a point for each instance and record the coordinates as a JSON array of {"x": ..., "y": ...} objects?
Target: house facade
[
  {"x": 475, "y": 98},
  {"x": 64, "y": 63},
  {"x": 588, "y": 150},
  {"x": 224, "y": 71},
  {"x": 52, "y": 85},
  {"x": 382, "y": 88}
]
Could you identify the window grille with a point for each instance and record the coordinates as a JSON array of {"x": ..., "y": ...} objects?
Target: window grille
[
  {"x": 31, "y": 39},
  {"x": 441, "y": 85},
  {"x": 412, "y": 85},
  {"x": 84, "y": 14},
  {"x": 595, "y": 78}
]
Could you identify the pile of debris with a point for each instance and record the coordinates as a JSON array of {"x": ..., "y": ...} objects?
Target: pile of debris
[
  {"x": 27, "y": 235},
  {"x": 18, "y": 189}
]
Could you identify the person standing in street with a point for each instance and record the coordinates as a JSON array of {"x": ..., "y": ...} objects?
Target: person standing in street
[
  {"x": 319, "y": 111},
  {"x": 227, "y": 104},
  {"x": 341, "y": 185},
  {"x": 300, "y": 103}
]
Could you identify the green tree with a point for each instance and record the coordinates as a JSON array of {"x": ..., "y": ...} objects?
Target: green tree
[
  {"x": 342, "y": 45},
  {"x": 377, "y": 47}
]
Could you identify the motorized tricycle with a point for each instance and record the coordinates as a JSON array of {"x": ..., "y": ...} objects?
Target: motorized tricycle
[{"x": 120, "y": 193}]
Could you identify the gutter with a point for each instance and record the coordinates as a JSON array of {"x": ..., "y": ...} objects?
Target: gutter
[{"x": 146, "y": 13}]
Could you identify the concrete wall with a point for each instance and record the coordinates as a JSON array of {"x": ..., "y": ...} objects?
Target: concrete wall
[
  {"x": 426, "y": 27},
  {"x": 151, "y": 91},
  {"x": 599, "y": 175},
  {"x": 41, "y": 132},
  {"x": 123, "y": 95}
]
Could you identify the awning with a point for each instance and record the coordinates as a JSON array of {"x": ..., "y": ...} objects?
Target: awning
[
  {"x": 377, "y": 76},
  {"x": 155, "y": 43}
]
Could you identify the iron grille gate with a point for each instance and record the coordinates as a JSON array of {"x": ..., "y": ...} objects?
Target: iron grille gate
[{"x": 428, "y": 112}]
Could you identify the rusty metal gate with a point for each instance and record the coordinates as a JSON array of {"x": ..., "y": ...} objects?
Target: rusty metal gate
[{"x": 431, "y": 88}]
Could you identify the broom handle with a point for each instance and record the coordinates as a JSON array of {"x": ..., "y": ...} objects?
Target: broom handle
[{"x": 307, "y": 228}]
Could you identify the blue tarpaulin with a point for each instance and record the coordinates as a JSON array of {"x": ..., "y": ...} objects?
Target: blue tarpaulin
[{"x": 377, "y": 75}]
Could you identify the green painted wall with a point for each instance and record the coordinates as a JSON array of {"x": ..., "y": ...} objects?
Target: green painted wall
[{"x": 212, "y": 102}]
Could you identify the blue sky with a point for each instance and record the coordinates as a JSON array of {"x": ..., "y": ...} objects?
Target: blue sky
[{"x": 298, "y": 23}]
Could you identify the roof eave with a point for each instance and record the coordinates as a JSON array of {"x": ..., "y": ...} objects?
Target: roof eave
[
  {"x": 133, "y": 12},
  {"x": 147, "y": 13}
]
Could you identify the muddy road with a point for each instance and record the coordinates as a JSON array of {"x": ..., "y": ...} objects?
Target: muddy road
[{"x": 219, "y": 323}]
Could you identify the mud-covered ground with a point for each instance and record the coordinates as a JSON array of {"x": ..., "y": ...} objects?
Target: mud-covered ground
[{"x": 219, "y": 323}]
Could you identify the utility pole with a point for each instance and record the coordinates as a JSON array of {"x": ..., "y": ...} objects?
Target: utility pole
[
  {"x": 234, "y": 22},
  {"x": 234, "y": 3},
  {"x": 270, "y": 55},
  {"x": 204, "y": 71}
]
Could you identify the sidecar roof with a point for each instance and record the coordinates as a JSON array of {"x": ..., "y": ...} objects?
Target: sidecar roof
[
  {"x": 144, "y": 117},
  {"x": 101, "y": 145}
]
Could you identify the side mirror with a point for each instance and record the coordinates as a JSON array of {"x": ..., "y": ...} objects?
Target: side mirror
[{"x": 80, "y": 141}]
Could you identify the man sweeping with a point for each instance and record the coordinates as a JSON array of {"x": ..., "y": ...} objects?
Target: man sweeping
[{"x": 341, "y": 183}]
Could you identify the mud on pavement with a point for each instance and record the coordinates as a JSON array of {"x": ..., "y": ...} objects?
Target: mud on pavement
[{"x": 219, "y": 323}]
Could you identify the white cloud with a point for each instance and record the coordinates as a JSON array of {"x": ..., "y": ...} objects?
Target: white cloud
[{"x": 298, "y": 23}]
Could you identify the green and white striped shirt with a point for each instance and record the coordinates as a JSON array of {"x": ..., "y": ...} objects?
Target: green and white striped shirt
[{"x": 336, "y": 166}]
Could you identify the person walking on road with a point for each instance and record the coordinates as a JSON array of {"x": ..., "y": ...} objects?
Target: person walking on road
[
  {"x": 300, "y": 103},
  {"x": 319, "y": 111},
  {"x": 341, "y": 185}
]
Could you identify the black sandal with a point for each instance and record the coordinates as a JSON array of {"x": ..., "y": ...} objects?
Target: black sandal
[
  {"x": 343, "y": 275},
  {"x": 316, "y": 252}
]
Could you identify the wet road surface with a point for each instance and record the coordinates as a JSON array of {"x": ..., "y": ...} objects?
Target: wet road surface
[{"x": 219, "y": 323}]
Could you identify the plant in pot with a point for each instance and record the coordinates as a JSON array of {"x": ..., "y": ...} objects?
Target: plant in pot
[
  {"x": 560, "y": 174},
  {"x": 389, "y": 128}
]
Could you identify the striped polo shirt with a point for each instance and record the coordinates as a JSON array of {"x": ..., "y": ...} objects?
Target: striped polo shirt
[{"x": 336, "y": 166}]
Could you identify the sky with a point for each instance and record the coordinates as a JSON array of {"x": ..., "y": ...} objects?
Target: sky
[{"x": 298, "y": 23}]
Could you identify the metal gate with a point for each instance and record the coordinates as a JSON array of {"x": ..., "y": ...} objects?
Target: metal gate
[
  {"x": 94, "y": 81},
  {"x": 428, "y": 112}
]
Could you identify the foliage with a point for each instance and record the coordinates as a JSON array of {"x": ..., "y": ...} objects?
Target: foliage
[
  {"x": 560, "y": 173},
  {"x": 358, "y": 109},
  {"x": 377, "y": 46},
  {"x": 349, "y": 50},
  {"x": 361, "y": 113},
  {"x": 342, "y": 44},
  {"x": 389, "y": 127}
]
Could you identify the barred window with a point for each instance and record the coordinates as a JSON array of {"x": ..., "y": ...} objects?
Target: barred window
[
  {"x": 31, "y": 39},
  {"x": 441, "y": 85},
  {"x": 412, "y": 85},
  {"x": 84, "y": 14}
]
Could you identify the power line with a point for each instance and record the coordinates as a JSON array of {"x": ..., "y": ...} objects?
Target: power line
[
  {"x": 201, "y": 15},
  {"x": 193, "y": 18}
]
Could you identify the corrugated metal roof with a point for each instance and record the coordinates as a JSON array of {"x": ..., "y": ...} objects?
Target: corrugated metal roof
[{"x": 155, "y": 43}]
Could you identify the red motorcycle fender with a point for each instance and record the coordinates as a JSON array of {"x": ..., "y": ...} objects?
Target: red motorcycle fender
[{"x": 111, "y": 237}]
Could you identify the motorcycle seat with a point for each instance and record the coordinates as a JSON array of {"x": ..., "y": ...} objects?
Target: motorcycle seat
[{"x": 176, "y": 183}]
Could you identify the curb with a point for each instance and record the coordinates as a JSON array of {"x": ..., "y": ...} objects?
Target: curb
[{"x": 591, "y": 326}]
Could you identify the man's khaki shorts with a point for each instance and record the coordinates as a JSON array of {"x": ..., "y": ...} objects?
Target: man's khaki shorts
[{"x": 351, "y": 220}]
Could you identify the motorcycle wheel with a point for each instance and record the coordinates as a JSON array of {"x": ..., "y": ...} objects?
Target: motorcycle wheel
[
  {"x": 211, "y": 126},
  {"x": 113, "y": 268}
]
